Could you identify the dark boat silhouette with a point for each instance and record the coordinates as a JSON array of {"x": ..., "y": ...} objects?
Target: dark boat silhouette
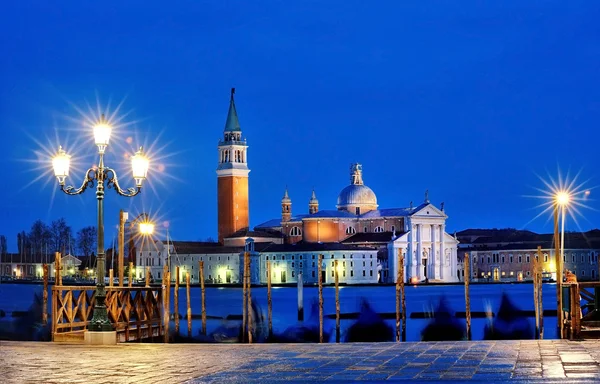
[
  {"x": 369, "y": 327},
  {"x": 509, "y": 324},
  {"x": 443, "y": 326}
]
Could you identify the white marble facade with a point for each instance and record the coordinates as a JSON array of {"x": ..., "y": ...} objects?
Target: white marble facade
[{"x": 429, "y": 252}]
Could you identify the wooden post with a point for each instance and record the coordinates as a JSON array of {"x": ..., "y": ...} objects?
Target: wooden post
[
  {"x": 121, "y": 247},
  {"x": 398, "y": 280},
  {"x": 269, "y": 302},
  {"x": 148, "y": 276},
  {"x": 110, "y": 277},
  {"x": 130, "y": 279},
  {"x": 58, "y": 269},
  {"x": 320, "y": 280},
  {"x": 189, "y": 303},
  {"x": 559, "y": 278},
  {"x": 203, "y": 302},
  {"x": 540, "y": 289},
  {"x": 45, "y": 296},
  {"x": 245, "y": 297},
  {"x": 176, "y": 299},
  {"x": 168, "y": 306},
  {"x": 300, "y": 289},
  {"x": 337, "y": 302},
  {"x": 467, "y": 296},
  {"x": 164, "y": 302},
  {"x": 249, "y": 284},
  {"x": 536, "y": 306},
  {"x": 403, "y": 294}
]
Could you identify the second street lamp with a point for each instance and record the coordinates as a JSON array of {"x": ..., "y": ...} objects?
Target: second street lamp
[{"x": 100, "y": 175}]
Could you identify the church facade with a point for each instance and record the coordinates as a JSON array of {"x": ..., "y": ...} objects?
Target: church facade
[
  {"x": 361, "y": 237},
  {"x": 417, "y": 231}
]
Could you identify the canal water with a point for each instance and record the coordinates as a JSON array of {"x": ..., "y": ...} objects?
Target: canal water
[{"x": 221, "y": 301}]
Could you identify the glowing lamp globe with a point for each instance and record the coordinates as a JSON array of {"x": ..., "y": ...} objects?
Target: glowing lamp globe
[
  {"x": 102, "y": 131},
  {"x": 563, "y": 198},
  {"x": 146, "y": 228},
  {"x": 140, "y": 164},
  {"x": 61, "y": 163}
]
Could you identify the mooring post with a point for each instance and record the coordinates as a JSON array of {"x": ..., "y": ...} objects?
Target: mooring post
[
  {"x": 536, "y": 305},
  {"x": 467, "y": 296},
  {"x": 189, "y": 304},
  {"x": 320, "y": 281},
  {"x": 110, "y": 277},
  {"x": 249, "y": 284},
  {"x": 403, "y": 294},
  {"x": 398, "y": 278},
  {"x": 269, "y": 302},
  {"x": 176, "y": 299},
  {"x": 540, "y": 289},
  {"x": 203, "y": 299},
  {"x": 130, "y": 279},
  {"x": 45, "y": 296},
  {"x": 245, "y": 297},
  {"x": 58, "y": 269},
  {"x": 337, "y": 302},
  {"x": 148, "y": 276},
  {"x": 168, "y": 306},
  {"x": 300, "y": 297}
]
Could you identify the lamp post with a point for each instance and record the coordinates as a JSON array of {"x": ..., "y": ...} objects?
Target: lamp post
[
  {"x": 100, "y": 175},
  {"x": 562, "y": 199},
  {"x": 145, "y": 228}
]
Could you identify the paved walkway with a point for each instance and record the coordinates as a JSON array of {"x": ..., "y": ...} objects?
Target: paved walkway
[{"x": 492, "y": 361}]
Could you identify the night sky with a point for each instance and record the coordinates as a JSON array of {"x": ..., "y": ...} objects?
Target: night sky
[{"x": 471, "y": 100}]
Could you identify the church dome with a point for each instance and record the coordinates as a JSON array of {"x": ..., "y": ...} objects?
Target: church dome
[
  {"x": 357, "y": 198},
  {"x": 356, "y": 195}
]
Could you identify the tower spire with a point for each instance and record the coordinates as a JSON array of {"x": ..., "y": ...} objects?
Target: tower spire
[{"x": 232, "y": 124}]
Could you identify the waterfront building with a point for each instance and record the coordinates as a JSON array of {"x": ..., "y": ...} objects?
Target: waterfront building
[{"x": 507, "y": 255}]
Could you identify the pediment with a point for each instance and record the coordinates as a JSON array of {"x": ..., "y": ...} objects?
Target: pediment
[{"x": 428, "y": 210}]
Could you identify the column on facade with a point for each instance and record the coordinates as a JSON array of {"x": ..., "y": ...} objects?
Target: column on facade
[
  {"x": 419, "y": 250},
  {"x": 433, "y": 262},
  {"x": 443, "y": 254},
  {"x": 411, "y": 259}
]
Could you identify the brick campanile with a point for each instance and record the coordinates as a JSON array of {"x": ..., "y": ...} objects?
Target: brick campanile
[{"x": 232, "y": 177}]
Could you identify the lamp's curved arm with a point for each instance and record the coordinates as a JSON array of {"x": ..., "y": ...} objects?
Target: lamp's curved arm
[
  {"x": 112, "y": 181},
  {"x": 88, "y": 182},
  {"x": 142, "y": 215}
]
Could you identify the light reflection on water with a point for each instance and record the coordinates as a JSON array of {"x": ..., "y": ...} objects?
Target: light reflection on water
[{"x": 222, "y": 301}]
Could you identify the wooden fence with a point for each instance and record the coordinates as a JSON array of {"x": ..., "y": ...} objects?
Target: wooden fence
[{"x": 135, "y": 312}]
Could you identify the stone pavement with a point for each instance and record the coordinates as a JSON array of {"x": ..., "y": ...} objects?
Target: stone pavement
[{"x": 492, "y": 361}]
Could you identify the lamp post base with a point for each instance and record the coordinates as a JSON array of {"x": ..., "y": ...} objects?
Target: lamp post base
[{"x": 100, "y": 338}]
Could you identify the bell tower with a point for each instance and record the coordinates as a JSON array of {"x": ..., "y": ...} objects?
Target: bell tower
[
  {"x": 313, "y": 204},
  {"x": 286, "y": 207},
  {"x": 232, "y": 177}
]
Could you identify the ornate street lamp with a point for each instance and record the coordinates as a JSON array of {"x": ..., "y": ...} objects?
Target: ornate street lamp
[{"x": 100, "y": 175}]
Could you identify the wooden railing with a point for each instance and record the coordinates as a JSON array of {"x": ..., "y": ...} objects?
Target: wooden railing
[
  {"x": 135, "y": 313},
  {"x": 581, "y": 307}
]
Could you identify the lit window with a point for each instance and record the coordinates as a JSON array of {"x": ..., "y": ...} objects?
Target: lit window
[{"x": 295, "y": 231}]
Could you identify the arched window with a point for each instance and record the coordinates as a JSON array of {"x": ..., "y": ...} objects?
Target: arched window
[
  {"x": 350, "y": 231},
  {"x": 378, "y": 229},
  {"x": 393, "y": 228},
  {"x": 295, "y": 231}
]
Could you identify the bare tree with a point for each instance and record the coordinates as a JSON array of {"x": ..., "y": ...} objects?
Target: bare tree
[
  {"x": 39, "y": 235},
  {"x": 61, "y": 235},
  {"x": 86, "y": 240}
]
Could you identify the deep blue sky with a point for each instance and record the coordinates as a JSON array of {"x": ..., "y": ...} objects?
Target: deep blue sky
[{"x": 468, "y": 99}]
